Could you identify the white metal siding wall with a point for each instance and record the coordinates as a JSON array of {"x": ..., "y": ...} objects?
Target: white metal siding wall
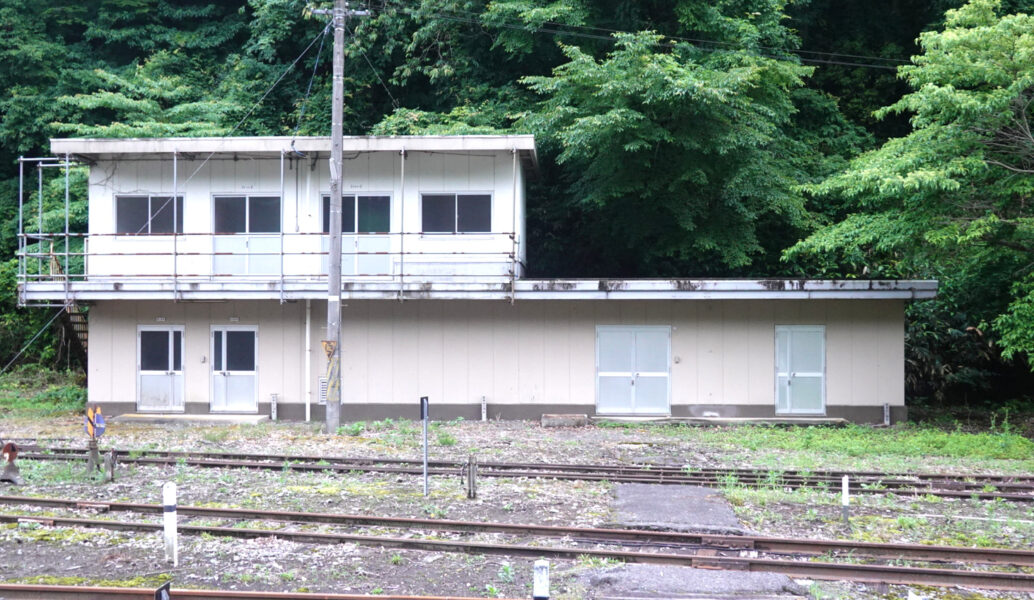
[
  {"x": 112, "y": 372},
  {"x": 533, "y": 352}
]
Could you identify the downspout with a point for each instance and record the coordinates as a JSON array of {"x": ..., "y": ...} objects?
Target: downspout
[
  {"x": 402, "y": 224},
  {"x": 308, "y": 360},
  {"x": 281, "y": 226},
  {"x": 513, "y": 233},
  {"x": 175, "y": 230}
]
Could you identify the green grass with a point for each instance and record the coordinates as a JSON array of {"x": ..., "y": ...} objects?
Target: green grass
[
  {"x": 33, "y": 391},
  {"x": 859, "y": 441}
]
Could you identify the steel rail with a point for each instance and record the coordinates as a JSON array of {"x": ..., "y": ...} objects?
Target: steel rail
[
  {"x": 14, "y": 591},
  {"x": 648, "y": 469},
  {"x": 994, "y": 580},
  {"x": 773, "y": 545},
  {"x": 644, "y": 476}
]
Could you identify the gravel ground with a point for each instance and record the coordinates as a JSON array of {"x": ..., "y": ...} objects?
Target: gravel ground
[{"x": 72, "y": 556}]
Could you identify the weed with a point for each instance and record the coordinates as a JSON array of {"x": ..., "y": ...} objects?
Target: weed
[
  {"x": 505, "y": 573},
  {"x": 445, "y": 439},
  {"x": 396, "y": 559},
  {"x": 352, "y": 429}
]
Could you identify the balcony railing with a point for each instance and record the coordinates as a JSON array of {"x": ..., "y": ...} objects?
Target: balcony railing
[{"x": 402, "y": 258}]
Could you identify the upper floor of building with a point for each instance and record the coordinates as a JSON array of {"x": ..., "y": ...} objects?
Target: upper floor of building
[{"x": 250, "y": 216}]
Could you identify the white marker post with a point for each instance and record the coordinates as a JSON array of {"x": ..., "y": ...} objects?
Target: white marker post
[
  {"x": 845, "y": 499},
  {"x": 540, "y": 587},
  {"x": 169, "y": 519},
  {"x": 424, "y": 417}
]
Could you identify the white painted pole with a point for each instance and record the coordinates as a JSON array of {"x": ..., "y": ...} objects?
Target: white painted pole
[
  {"x": 308, "y": 360},
  {"x": 540, "y": 588},
  {"x": 169, "y": 519},
  {"x": 424, "y": 416},
  {"x": 845, "y": 498}
]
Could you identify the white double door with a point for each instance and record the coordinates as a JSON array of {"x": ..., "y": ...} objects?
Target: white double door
[
  {"x": 234, "y": 369},
  {"x": 159, "y": 368},
  {"x": 633, "y": 370}
]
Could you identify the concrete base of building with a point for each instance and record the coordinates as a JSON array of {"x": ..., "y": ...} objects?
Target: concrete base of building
[{"x": 703, "y": 414}]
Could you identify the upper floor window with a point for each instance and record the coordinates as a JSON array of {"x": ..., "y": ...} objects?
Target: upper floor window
[
  {"x": 456, "y": 213},
  {"x": 246, "y": 214},
  {"x": 361, "y": 214},
  {"x": 148, "y": 214}
]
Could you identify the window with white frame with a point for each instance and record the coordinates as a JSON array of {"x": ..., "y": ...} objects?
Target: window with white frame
[
  {"x": 361, "y": 214},
  {"x": 800, "y": 377},
  {"x": 246, "y": 214},
  {"x": 147, "y": 214},
  {"x": 456, "y": 213}
]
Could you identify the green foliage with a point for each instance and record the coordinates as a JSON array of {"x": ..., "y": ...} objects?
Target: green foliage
[
  {"x": 33, "y": 391},
  {"x": 859, "y": 441},
  {"x": 951, "y": 198}
]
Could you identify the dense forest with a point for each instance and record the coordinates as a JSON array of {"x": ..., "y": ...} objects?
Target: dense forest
[{"x": 690, "y": 138}]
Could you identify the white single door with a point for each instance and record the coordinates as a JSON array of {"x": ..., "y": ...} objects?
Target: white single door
[
  {"x": 633, "y": 370},
  {"x": 800, "y": 369},
  {"x": 159, "y": 369},
  {"x": 234, "y": 369}
]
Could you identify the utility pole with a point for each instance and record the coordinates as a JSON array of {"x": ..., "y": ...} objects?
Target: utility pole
[{"x": 332, "y": 345}]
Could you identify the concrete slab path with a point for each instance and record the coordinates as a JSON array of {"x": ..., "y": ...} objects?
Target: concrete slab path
[{"x": 675, "y": 508}]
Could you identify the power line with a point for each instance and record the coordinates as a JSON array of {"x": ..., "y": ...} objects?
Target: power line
[
  {"x": 475, "y": 20},
  {"x": 351, "y": 33}
]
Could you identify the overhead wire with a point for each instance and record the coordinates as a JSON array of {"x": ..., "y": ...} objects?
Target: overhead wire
[
  {"x": 394, "y": 102},
  {"x": 29, "y": 343},
  {"x": 474, "y": 20},
  {"x": 290, "y": 67}
]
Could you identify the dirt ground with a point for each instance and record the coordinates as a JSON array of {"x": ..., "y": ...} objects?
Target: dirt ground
[{"x": 30, "y": 553}]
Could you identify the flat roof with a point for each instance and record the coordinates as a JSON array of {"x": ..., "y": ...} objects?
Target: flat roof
[
  {"x": 240, "y": 288},
  {"x": 274, "y": 145}
]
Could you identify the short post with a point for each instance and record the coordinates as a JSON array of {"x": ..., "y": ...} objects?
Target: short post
[
  {"x": 472, "y": 474},
  {"x": 273, "y": 398},
  {"x": 423, "y": 417},
  {"x": 886, "y": 414},
  {"x": 540, "y": 587},
  {"x": 169, "y": 520},
  {"x": 109, "y": 464},
  {"x": 845, "y": 500},
  {"x": 484, "y": 409}
]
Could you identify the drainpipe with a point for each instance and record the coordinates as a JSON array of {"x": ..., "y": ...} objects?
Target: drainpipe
[{"x": 308, "y": 359}]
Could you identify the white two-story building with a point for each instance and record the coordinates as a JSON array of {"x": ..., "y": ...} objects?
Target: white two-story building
[{"x": 204, "y": 270}]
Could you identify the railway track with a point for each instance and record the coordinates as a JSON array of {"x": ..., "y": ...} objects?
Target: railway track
[
  {"x": 684, "y": 549},
  {"x": 10, "y": 591},
  {"x": 1018, "y": 488}
]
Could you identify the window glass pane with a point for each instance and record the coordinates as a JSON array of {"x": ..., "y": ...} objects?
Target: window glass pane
[
  {"x": 347, "y": 214},
  {"x": 177, "y": 350},
  {"x": 229, "y": 214},
  {"x": 782, "y": 344},
  {"x": 806, "y": 351},
  {"x": 651, "y": 395},
  {"x": 374, "y": 214},
  {"x": 154, "y": 350},
  {"x": 131, "y": 214},
  {"x": 806, "y": 394},
  {"x": 615, "y": 348},
  {"x": 439, "y": 213},
  {"x": 264, "y": 214},
  {"x": 651, "y": 351},
  {"x": 240, "y": 350},
  {"x": 474, "y": 213},
  {"x": 161, "y": 214},
  {"x": 217, "y": 351},
  {"x": 615, "y": 395}
]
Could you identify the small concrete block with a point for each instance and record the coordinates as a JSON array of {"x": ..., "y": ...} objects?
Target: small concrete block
[{"x": 565, "y": 420}]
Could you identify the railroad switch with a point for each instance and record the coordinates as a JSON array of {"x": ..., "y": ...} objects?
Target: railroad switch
[{"x": 11, "y": 474}]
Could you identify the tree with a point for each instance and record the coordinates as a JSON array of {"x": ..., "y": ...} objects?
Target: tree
[{"x": 952, "y": 198}]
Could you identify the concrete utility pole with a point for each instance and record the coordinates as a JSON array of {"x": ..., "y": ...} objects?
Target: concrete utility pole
[{"x": 332, "y": 345}]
